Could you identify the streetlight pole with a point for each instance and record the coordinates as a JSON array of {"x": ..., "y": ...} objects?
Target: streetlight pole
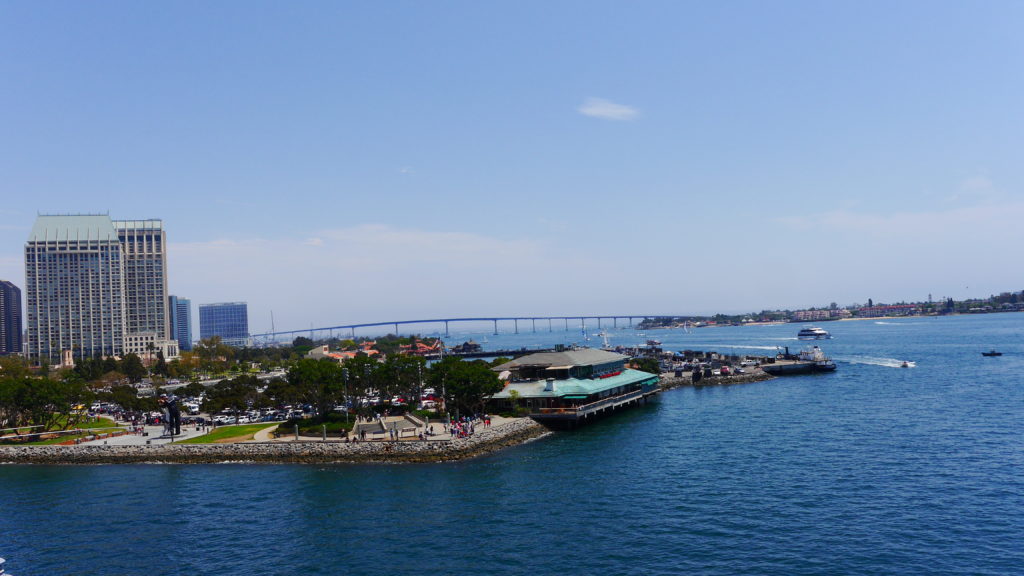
[{"x": 344, "y": 377}]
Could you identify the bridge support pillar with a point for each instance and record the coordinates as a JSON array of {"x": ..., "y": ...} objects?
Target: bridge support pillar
[
  {"x": 396, "y": 328},
  {"x": 353, "y": 332},
  {"x": 515, "y": 321},
  {"x": 534, "y": 320},
  {"x": 445, "y": 328},
  {"x": 549, "y": 324},
  {"x": 495, "y": 326},
  {"x": 566, "y": 324}
]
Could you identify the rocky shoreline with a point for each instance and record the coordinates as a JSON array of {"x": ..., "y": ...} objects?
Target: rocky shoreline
[
  {"x": 484, "y": 441},
  {"x": 669, "y": 380}
]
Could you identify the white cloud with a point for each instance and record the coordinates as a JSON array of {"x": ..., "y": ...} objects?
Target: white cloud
[{"x": 607, "y": 110}]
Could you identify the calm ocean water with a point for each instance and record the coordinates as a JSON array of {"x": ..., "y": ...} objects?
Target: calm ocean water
[{"x": 875, "y": 469}]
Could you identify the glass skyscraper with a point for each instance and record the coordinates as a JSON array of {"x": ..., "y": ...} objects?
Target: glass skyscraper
[
  {"x": 229, "y": 320},
  {"x": 181, "y": 321},
  {"x": 10, "y": 318}
]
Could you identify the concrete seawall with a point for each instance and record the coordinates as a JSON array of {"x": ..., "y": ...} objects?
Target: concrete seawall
[{"x": 484, "y": 441}]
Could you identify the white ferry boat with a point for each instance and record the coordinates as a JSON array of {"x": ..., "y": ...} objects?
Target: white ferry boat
[{"x": 813, "y": 333}]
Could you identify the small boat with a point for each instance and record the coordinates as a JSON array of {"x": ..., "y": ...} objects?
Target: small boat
[
  {"x": 813, "y": 333},
  {"x": 905, "y": 364},
  {"x": 991, "y": 353},
  {"x": 654, "y": 342}
]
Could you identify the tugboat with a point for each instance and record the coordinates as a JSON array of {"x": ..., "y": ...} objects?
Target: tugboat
[{"x": 813, "y": 333}]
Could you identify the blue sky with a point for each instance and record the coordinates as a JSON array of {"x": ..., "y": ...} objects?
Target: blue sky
[{"x": 343, "y": 162}]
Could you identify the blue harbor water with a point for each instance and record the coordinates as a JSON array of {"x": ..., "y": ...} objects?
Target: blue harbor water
[{"x": 874, "y": 469}]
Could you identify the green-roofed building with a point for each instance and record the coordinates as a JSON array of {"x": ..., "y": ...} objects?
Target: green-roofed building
[{"x": 571, "y": 387}]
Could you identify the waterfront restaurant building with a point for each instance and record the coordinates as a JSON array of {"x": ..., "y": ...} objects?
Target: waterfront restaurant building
[{"x": 568, "y": 388}]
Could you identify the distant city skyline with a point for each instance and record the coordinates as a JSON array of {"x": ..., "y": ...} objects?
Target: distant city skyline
[{"x": 345, "y": 163}]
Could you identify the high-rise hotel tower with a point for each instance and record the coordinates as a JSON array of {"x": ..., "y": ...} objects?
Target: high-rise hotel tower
[{"x": 95, "y": 287}]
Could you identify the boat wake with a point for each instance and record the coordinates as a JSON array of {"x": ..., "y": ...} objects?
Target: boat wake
[{"x": 873, "y": 361}]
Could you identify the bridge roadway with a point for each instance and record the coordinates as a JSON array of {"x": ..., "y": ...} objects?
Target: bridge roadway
[{"x": 446, "y": 321}]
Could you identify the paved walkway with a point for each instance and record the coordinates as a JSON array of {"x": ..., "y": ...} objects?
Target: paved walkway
[{"x": 154, "y": 435}]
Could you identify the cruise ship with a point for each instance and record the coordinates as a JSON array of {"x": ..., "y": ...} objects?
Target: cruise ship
[{"x": 813, "y": 333}]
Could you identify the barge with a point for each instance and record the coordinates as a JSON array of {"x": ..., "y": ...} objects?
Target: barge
[{"x": 809, "y": 361}]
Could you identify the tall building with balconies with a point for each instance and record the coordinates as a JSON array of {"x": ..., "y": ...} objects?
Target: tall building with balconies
[
  {"x": 229, "y": 320},
  {"x": 181, "y": 321},
  {"x": 10, "y": 318},
  {"x": 95, "y": 288},
  {"x": 145, "y": 276},
  {"x": 74, "y": 288}
]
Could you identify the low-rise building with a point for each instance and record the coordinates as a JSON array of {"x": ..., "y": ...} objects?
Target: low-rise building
[{"x": 571, "y": 387}]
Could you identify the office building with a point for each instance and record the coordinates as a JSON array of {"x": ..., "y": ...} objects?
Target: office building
[
  {"x": 145, "y": 276},
  {"x": 229, "y": 320},
  {"x": 10, "y": 318},
  {"x": 181, "y": 321},
  {"x": 95, "y": 288}
]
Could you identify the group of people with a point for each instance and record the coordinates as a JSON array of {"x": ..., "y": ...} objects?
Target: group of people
[{"x": 465, "y": 426}]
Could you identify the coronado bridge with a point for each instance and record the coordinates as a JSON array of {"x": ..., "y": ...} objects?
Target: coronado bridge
[{"x": 548, "y": 323}]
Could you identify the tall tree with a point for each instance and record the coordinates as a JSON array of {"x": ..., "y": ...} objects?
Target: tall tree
[
  {"x": 466, "y": 385},
  {"x": 235, "y": 394},
  {"x": 317, "y": 382},
  {"x": 132, "y": 367}
]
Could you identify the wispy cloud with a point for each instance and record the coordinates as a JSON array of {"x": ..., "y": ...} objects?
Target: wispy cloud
[
  {"x": 373, "y": 272},
  {"x": 986, "y": 224},
  {"x": 607, "y": 110}
]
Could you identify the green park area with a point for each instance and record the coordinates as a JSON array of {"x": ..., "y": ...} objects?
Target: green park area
[
  {"x": 228, "y": 434},
  {"x": 29, "y": 436}
]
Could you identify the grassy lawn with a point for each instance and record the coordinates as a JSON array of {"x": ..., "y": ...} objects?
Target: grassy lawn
[
  {"x": 100, "y": 426},
  {"x": 67, "y": 437},
  {"x": 225, "y": 434}
]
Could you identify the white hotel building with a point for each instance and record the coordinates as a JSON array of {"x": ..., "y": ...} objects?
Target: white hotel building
[{"x": 95, "y": 287}]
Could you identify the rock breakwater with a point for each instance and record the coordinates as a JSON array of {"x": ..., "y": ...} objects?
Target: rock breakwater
[
  {"x": 484, "y": 441},
  {"x": 670, "y": 381}
]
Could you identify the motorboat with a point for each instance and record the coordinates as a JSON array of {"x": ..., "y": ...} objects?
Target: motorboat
[
  {"x": 813, "y": 333},
  {"x": 905, "y": 364},
  {"x": 991, "y": 353}
]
